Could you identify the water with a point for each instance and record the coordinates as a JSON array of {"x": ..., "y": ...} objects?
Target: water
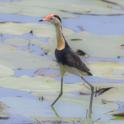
[
  {"x": 8, "y": 0},
  {"x": 31, "y": 45},
  {"x": 17, "y": 18},
  {"x": 108, "y": 25}
]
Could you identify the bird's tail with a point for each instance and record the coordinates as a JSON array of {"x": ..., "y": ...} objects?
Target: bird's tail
[{"x": 89, "y": 73}]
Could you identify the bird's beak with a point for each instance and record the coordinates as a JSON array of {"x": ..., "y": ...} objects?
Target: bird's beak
[
  {"x": 46, "y": 18},
  {"x": 41, "y": 20}
]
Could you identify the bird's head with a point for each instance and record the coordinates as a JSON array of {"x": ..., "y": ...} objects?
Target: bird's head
[{"x": 55, "y": 19}]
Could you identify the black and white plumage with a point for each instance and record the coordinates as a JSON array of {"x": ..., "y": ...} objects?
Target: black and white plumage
[{"x": 67, "y": 59}]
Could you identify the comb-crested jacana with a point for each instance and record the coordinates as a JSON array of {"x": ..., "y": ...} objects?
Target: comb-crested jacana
[{"x": 67, "y": 59}]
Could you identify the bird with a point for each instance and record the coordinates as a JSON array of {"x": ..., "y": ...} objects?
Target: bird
[{"x": 67, "y": 59}]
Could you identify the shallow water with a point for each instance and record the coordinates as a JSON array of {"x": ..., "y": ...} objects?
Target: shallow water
[
  {"x": 108, "y": 25},
  {"x": 21, "y": 106},
  {"x": 30, "y": 76}
]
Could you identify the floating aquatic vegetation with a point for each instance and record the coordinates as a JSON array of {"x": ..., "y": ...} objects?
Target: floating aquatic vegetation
[{"x": 23, "y": 39}]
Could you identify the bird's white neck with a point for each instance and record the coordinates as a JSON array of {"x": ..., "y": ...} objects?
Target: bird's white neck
[{"x": 59, "y": 37}]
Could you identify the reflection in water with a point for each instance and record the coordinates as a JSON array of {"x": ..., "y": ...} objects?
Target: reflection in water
[
  {"x": 89, "y": 112},
  {"x": 54, "y": 110}
]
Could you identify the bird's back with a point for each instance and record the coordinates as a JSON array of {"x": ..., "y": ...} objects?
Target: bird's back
[{"x": 69, "y": 58}]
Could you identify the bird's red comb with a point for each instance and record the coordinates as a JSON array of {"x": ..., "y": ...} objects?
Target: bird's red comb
[{"x": 48, "y": 17}]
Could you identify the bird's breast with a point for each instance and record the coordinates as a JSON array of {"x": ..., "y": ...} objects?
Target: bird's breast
[{"x": 60, "y": 55}]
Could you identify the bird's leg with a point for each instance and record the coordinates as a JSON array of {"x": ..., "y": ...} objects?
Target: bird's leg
[
  {"x": 87, "y": 86},
  {"x": 91, "y": 98},
  {"x": 60, "y": 94}
]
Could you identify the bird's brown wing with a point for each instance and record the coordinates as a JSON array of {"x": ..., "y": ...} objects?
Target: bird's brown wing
[{"x": 73, "y": 60}]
